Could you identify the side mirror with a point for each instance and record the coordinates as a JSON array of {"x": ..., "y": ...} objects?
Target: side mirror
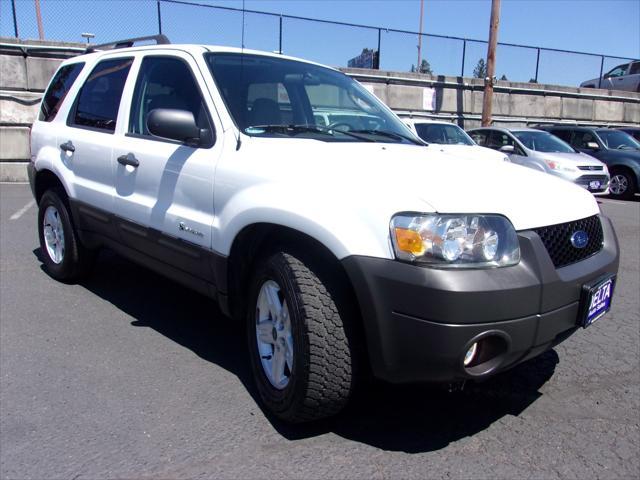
[
  {"x": 507, "y": 149},
  {"x": 593, "y": 146},
  {"x": 175, "y": 125}
]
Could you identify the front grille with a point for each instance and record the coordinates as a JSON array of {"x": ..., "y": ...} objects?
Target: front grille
[
  {"x": 557, "y": 240},
  {"x": 585, "y": 179},
  {"x": 585, "y": 182},
  {"x": 590, "y": 167}
]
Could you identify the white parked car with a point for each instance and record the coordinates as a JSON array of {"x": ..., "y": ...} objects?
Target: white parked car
[
  {"x": 544, "y": 152},
  {"x": 450, "y": 138},
  {"x": 340, "y": 247}
]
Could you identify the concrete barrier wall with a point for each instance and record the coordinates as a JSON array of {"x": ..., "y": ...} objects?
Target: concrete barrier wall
[
  {"x": 514, "y": 104},
  {"x": 25, "y": 70},
  {"x": 27, "y": 66}
]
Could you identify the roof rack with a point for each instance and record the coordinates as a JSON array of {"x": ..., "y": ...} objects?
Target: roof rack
[{"x": 128, "y": 42}]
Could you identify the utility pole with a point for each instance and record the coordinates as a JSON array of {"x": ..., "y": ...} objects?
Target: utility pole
[
  {"x": 491, "y": 63},
  {"x": 39, "y": 20},
  {"x": 420, "y": 37}
]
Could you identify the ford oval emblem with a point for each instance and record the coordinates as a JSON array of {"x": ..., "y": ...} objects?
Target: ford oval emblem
[{"x": 579, "y": 239}]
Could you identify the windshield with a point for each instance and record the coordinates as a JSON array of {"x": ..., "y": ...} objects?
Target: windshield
[
  {"x": 275, "y": 97},
  {"x": 443, "y": 134},
  {"x": 616, "y": 139},
  {"x": 542, "y": 142}
]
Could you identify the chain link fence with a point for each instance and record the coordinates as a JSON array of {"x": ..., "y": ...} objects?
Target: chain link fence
[{"x": 339, "y": 44}]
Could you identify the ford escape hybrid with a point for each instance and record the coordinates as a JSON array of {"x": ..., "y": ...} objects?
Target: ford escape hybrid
[{"x": 342, "y": 246}]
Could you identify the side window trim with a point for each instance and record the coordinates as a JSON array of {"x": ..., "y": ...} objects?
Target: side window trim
[
  {"x": 70, "y": 121},
  {"x": 131, "y": 98}
]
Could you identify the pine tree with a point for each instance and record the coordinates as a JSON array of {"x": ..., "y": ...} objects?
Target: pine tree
[{"x": 481, "y": 69}]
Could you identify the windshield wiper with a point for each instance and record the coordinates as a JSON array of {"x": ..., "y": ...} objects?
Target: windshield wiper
[
  {"x": 307, "y": 128},
  {"x": 396, "y": 135}
]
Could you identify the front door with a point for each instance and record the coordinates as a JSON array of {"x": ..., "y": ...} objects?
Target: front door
[{"x": 164, "y": 189}]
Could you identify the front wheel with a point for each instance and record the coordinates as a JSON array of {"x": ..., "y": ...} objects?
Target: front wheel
[
  {"x": 298, "y": 340},
  {"x": 64, "y": 257},
  {"x": 622, "y": 185}
]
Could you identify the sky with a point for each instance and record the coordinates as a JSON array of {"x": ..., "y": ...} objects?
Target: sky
[{"x": 610, "y": 27}]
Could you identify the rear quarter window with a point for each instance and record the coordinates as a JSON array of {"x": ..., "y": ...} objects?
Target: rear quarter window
[{"x": 57, "y": 91}]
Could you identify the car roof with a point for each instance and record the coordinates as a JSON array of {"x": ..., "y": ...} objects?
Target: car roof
[
  {"x": 196, "y": 49},
  {"x": 508, "y": 130},
  {"x": 568, "y": 127},
  {"x": 425, "y": 120}
]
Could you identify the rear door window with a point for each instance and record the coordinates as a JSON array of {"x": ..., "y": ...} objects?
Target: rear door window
[
  {"x": 97, "y": 104},
  {"x": 562, "y": 135},
  {"x": 57, "y": 91}
]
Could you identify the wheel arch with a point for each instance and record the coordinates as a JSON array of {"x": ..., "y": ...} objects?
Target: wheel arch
[
  {"x": 621, "y": 167},
  {"x": 259, "y": 239},
  {"x": 46, "y": 179}
]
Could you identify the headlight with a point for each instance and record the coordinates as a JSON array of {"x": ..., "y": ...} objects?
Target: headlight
[
  {"x": 554, "y": 165},
  {"x": 455, "y": 241}
]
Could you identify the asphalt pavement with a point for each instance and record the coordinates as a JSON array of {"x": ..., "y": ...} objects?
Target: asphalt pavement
[{"x": 129, "y": 375}]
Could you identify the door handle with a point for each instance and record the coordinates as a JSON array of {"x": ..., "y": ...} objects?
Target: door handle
[
  {"x": 67, "y": 146},
  {"x": 128, "y": 159}
]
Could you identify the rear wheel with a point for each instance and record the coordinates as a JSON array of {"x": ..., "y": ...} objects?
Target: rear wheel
[
  {"x": 622, "y": 185},
  {"x": 64, "y": 257},
  {"x": 298, "y": 340}
]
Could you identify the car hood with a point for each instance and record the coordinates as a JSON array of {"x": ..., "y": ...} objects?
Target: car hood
[
  {"x": 574, "y": 158},
  {"x": 474, "y": 151},
  {"x": 384, "y": 179}
]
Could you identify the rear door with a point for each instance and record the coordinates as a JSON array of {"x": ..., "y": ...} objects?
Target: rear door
[
  {"x": 87, "y": 139},
  {"x": 165, "y": 203}
]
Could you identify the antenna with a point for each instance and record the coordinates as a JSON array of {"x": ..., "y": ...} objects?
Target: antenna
[
  {"x": 242, "y": 44},
  {"x": 239, "y": 141}
]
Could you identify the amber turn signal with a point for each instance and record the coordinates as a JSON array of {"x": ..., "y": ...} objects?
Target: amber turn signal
[{"x": 409, "y": 241}]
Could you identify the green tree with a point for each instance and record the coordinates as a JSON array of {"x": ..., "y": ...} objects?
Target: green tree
[
  {"x": 425, "y": 67},
  {"x": 481, "y": 69}
]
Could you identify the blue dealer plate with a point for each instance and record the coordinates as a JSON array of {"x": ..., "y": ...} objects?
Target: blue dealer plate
[{"x": 596, "y": 300}]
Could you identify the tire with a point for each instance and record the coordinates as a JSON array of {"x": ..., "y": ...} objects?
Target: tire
[
  {"x": 318, "y": 370},
  {"x": 64, "y": 257},
  {"x": 622, "y": 185}
]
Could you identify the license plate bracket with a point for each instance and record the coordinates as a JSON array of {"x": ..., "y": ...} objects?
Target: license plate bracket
[{"x": 595, "y": 300}]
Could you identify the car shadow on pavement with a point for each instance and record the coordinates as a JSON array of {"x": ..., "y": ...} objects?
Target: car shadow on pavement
[{"x": 408, "y": 418}]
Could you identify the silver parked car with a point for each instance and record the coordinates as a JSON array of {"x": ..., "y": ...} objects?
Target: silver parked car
[
  {"x": 623, "y": 77},
  {"x": 547, "y": 153}
]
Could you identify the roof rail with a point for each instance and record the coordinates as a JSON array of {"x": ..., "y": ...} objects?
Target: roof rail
[{"x": 128, "y": 42}]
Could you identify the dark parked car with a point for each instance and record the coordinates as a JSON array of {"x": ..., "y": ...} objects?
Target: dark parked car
[
  {"x": 633, "y": 131},
  {"x": 620, "y": 151}
]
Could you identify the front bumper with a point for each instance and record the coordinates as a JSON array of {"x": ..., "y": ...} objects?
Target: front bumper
[{"x": 420, "y": 321}]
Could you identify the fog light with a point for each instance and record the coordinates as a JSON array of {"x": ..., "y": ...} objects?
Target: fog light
[{"x": 471, "y": 354}]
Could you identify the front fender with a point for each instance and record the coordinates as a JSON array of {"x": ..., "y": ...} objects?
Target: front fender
[{"x": 342, "y": 229}]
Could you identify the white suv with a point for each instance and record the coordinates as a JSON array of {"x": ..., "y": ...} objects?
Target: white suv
[{"x": 343, "y": 247}]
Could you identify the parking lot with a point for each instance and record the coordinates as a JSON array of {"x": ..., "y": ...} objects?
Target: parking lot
[{"x": 131, "y": 375}]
